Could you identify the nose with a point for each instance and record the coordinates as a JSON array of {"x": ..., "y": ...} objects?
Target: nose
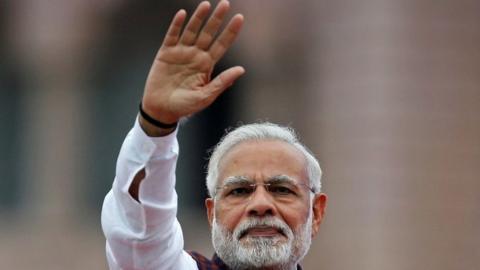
[{"x": 261, "y": 203}]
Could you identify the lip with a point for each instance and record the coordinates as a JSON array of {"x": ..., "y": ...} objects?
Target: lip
[{"x": 262, "y": 231}]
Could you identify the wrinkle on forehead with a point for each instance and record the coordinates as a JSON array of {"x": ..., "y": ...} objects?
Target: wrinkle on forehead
[{"x": 284, "y": 159}]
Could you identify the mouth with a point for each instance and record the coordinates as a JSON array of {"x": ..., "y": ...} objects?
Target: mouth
[{"x": 262, "y": 231}]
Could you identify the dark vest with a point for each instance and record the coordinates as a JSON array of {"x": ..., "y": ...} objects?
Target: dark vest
[{"x": 214, "y": 264}]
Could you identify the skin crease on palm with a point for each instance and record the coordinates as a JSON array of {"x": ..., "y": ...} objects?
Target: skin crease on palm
[{"x": 186, "y": 63}]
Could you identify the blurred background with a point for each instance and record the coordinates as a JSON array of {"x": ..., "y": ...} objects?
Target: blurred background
[{"x": 386, "y": 93}]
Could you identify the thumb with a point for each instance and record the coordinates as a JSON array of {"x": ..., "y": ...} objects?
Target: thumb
[{"x": 223, "y": 80}]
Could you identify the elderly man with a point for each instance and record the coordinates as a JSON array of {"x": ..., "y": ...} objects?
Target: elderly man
[{"x": 265, "y": 203}]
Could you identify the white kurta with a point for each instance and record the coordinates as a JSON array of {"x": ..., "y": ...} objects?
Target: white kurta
[{"x": 145, "y": 235}]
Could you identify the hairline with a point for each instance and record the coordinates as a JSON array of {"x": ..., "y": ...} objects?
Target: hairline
[{"x": 261, "y": 132}]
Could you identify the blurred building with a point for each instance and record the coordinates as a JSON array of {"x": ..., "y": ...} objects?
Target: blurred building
[{"x": 385, "y": 93}]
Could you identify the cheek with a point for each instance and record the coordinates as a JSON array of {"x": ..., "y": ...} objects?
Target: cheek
[
  {"x": 229, "y": 217},
  {"x": 295, "y": 216}
]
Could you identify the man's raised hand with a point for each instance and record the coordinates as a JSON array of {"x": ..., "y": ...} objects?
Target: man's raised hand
[{"x": 179, "y": 82}]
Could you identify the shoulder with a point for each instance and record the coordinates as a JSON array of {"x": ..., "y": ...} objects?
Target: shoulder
[{"x": 198, "y": 257}]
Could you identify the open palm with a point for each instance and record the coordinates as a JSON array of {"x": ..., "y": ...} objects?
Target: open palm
[{"x": 179, "y": 82}]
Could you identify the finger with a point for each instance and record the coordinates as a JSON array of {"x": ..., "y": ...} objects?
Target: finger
[
  {"x": 195, "y": 23},
  {"x": 175, "y": 28},
  {"x": 223, "y": 81},
  {"x": 213, "y": 24},
  {"x": 226, "y": 38}
]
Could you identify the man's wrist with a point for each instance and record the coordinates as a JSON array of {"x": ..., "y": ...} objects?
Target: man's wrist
[
  {"x": 152, "y": 130},
  {"x": 153, "y": 127},
  {"x": 154, "y": 121}
]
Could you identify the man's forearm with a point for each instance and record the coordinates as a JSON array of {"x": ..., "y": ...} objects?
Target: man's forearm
[
  {"x": 137, "y": 231},
  {"x": 152, "y": 131}
]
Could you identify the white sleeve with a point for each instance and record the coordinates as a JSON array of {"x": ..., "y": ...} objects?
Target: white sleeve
[{"x": 145, "y": 235}]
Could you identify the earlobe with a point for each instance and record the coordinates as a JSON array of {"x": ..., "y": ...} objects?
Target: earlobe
[
  {"x": 210, "y": 205},
  {"x": 319, "y": 206}
]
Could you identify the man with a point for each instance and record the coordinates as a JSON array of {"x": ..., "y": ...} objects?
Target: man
[{"x": 265, "y": 203}]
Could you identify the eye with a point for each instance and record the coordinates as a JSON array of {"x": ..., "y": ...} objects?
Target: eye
[
  {"x": 281, "y": 190},
  {"x": 240, "y": 191}
]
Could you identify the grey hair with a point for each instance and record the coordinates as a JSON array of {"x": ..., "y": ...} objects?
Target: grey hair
[{"x": 259, "y": 132}]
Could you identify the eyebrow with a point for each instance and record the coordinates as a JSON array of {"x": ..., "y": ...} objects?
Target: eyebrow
[
  {"x": 282, "y": 179},
  {"x": 240, "y": 179}
]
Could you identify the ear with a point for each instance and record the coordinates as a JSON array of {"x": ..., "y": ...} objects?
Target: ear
[
  {"x": 319, "y": 206},
  {"x": 210, "y": 205}
]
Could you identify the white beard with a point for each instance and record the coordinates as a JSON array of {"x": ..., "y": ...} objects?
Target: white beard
[{"x": 258, "y": 252}]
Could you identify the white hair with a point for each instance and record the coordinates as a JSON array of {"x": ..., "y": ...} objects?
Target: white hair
[
  {"x": 260, "y": 132},
  {"x": 257, "y": 252}
]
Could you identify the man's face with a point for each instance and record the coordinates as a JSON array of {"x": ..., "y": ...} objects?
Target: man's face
[{"x": 263, "y": 206}]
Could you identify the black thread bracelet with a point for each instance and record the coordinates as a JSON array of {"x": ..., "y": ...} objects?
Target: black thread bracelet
[{"x": 155, "y": 122}]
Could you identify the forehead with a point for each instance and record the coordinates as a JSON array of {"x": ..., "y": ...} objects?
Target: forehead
[{"x": 262, "y": 159}]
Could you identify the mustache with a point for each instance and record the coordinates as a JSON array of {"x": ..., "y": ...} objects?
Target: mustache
[{"x": 266, "y": 222}]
